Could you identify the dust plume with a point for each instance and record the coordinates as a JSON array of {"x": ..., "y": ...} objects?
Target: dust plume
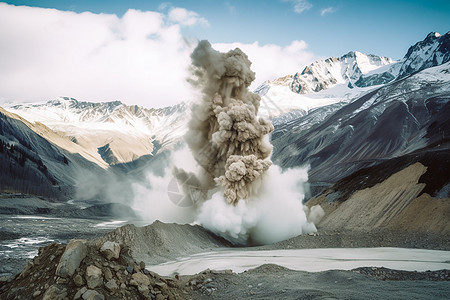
[
  {"x": 225, "y": 135},
  {"x": 243, "y": 197}
]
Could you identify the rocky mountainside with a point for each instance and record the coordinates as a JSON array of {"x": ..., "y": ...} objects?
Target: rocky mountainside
[
  {"x": 396, "y": 119},
  {"x": 385, "y": 155},
  {"x": 350, "y": 113},
  {"x": 385, "y": 121},
  {"x": 111, "y": 132},
  {"x": 434, "y": 50},
  {"x": 347, "y": 70},
  {"x": 356, "y": 69},
  {"x": 36, "y": 161},
  {"x": 32, "y": 164}
]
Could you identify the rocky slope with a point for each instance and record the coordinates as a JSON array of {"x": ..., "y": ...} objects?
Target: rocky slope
[
  {"x": 347, "y": 70},
  {"x": 394, "y": 120},
  {"x": 397, "y": 203},
  {"x": 32, "y": 164},
  {"x": 108, "y": 270},
  {"x": 110, "y": 132},
  {"x": 161, "y": 242},
  {"x": 434, "y": 50}
]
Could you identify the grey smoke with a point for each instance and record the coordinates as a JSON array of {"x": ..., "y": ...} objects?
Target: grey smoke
[
  {"x": 244, "y": 198},
  {"x": 225, "y": 135}
]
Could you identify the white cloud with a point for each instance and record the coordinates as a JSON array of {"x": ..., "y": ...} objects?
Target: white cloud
[
  {"x": 140, "y": 58},
  {"x": 300, "y": 5},
  {"x": 270, "y": 62},
  {"x": 137, "y": 58},
  {"x": 186, "y": 17},
  {"x": 328, "y": 10}
]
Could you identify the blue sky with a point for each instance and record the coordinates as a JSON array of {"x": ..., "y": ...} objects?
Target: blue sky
[
  {"x": 138, "y": 51},
  {"x": 381, "y": 27}
]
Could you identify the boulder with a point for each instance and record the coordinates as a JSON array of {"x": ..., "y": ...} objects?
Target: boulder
[
  {"x": 94, "y": 277},
  {"x": 108, "y": 274},
  {"x": 78, "y": 280},
  {"x": 139, "y": 279},
  {"x": 93, "y": 295},
  {"x": 55, "y": 293},
  {"x": 110, "y": 250},
  {"x": 75, "y": 252},
  {"x": 79, "y": 293},
  {"x": 111, "y": 285}
]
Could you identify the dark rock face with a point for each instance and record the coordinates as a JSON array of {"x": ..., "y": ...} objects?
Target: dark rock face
[
  {"x": 434, "y": 50},
  {"x": 375, "y": 79},
  {"x": 397, "y": 119},
  {"x": 107, "y": 154}
]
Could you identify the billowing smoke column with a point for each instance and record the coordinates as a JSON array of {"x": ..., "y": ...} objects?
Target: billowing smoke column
[
  {"x": 237, "y": 191},
  {"x": 225, "y": 135}
]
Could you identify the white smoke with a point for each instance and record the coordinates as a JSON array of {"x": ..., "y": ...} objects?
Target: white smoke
[
  {"x": 159, "y": 198},
  {"x": 225, "y": 180},
  {"x": 276, "y": 213},
  {"x": 239, "y": 194}
]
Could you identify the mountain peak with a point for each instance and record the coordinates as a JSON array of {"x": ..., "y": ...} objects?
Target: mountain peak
[
  {"x": 433, "y": 35},
  {"x": 434, "y": 50},
  {"x": 347, "y": 69}
]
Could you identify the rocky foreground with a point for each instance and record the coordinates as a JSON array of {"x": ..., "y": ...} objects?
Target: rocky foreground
[{"x": 107, "y": 268}]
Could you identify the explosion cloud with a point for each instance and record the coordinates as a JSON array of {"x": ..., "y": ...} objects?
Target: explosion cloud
[
  {"x": 225, "y": 135},
  {"x": 239, "y": 194}
]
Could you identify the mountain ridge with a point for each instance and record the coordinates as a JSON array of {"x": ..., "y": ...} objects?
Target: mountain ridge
[{"x": 337, "y": 130}]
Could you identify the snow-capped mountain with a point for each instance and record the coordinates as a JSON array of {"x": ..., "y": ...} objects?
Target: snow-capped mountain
[
  {"x": 339, "y": 115},
  {"x": 341, "y": 80},
  {"x": 387, "y": 122},
  {"x": 434, "y": 50},
  {"x": 324, "y": 82},
  {"x": 111, "y": 132},
  {"x": 346, "y": 70},
  {"x": 33, "y": 159}
]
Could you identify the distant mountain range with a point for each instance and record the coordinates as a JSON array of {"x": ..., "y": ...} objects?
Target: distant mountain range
[{"x": 339, "y": 115}]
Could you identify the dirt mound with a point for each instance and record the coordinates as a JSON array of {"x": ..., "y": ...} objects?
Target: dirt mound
[
  {"x": 91, "y": 270},
  {"x": 161, "y": 242},
  {"x": 395, "y": 203},
  {"x": 94, "y": 276}
]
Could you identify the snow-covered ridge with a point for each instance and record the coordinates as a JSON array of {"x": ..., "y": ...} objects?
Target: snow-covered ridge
[
  {"x": 69, "y": 110},
  {"x": 340, "y": 80},
  {"x": 110, "y": 131},
  {"x": 434, "y": 50},
  {"x": 114, "y": 132},
  {"x": 347, "y": 70},
  {"x": 322, "y": 83}
]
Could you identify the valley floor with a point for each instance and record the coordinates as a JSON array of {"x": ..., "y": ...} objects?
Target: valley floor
[
  {"x": 264, "y": 282},
  {"x": 275, "y": 282}
]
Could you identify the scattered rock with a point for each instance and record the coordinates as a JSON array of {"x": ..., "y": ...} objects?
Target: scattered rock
[
  {"x": 78, "y": 280},
  {"x": 93, "y": 295},
  {"x": 111, "y": 285},
  {"x": 55, "y": 293},
  {"x": 144, "y": 290},
  {"x": 75, "y": 252},
  {"x": 36, "y": 293},
  {"x": 80, "y": 292},
  {"x": 138, "y": 279},
  {"x": 110, "y": 250},
  {"x": 94, "y": 277}
]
